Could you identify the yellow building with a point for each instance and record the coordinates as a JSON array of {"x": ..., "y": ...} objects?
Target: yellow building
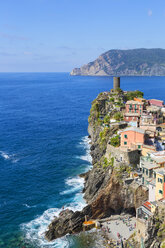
[
  {"x": 153, "y": 206},
  {"x": 160, "y": 184}
]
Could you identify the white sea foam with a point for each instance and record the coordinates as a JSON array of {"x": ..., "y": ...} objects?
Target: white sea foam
[
  {"x": 8, "y": 156},
  {"x": 85, "y": 143},
  {"x": 35, "y": 229},
  {"x": 75, "y": 184},
  {"x": 28, "y": 206}
]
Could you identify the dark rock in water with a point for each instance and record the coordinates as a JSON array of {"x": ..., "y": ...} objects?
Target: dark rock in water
[
  {"x": 67, "y": 222},
  {"x": 83, "y": 175}
]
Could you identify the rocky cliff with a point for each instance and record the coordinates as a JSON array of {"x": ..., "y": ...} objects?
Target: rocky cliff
[
  {"x": 105, "y": 189},
  {"x": 155, "y": 235},
  {"x": 135, "y": 62}
]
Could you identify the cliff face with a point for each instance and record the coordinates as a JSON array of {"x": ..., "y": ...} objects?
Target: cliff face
[
  {"x": 135, "y": 62},
  {"x": 155, "y": 234}
]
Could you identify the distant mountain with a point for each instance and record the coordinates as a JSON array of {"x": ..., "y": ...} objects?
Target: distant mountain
[{"x": 135, "y": 62}]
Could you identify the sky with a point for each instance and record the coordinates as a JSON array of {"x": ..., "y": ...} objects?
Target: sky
[{"x": 59, "y": 35}]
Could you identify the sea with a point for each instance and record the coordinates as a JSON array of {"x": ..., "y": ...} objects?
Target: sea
[{"x": 44, "y": 146}]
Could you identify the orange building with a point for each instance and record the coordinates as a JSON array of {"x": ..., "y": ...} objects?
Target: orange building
[{"x": 132, "y": 138}]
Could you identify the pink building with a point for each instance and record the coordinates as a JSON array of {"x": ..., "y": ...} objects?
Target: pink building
[
  {"x": 132, "y": 138},
  {"x": 155, "y": 102},
  {"x": 134, "y": 109}
]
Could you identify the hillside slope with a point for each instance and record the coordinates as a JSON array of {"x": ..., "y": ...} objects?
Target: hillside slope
[{"x": 135, "y": 62}]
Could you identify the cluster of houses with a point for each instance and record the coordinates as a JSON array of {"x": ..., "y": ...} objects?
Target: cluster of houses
[
  {"x": 141, "y": 133},
  {"x": 145, "y": 132}
]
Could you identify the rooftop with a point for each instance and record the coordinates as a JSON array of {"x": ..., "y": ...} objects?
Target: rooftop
[
  {"x": 149, "y": 165},
  {"x": 160, "y": 171},
  {"x": 154, "y": 203},
  {"x": 132, "y": 114},
  {"x": 156, "y": 100},
  {"x": 134, "y": 129},
  {"x": 134, "y": 102},
  {"x": 147, "y": 205},
  {"x": 153, "y": 108},
  {"x": 158, "y": 157}
]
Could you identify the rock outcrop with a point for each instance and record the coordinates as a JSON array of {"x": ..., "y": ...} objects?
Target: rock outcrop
[
  {"x": 135, "y": 62},
  {"x": 155, "y": 234},
  {"x": 67, "y": 222}
]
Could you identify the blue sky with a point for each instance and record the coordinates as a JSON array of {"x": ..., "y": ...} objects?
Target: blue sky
[{"x": 58, "y": 35}]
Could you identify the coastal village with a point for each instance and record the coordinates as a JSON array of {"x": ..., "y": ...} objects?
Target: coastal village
[
  {"x": 140, "y": 143},
  {"x": 125, "y": 189}
]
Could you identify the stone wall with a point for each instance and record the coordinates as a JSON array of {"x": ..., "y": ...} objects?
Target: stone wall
[
  {"x": 126, "y": 156},
  {"x": 140, "y": 229}
]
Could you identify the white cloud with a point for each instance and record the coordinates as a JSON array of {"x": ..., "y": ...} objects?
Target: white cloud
[{"x": 149, "y": 12}]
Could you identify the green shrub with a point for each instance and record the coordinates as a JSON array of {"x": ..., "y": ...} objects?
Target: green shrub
[
  {"x": 112, "y": 99},
  {"x": 132, "y": 94},
  {"x": 118, "y": 116},
  {"x": 107, "y": 119},
  {"x": 104, "y": 134},
  {"x": 115, "y": 141},
  {"x": 108, "y": 162}
]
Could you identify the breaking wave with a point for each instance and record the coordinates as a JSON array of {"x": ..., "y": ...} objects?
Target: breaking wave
[
  {"x": 85, "y": 143},
  {"x": 35, "y": 229},
  {"x": 74, "y": 185}
]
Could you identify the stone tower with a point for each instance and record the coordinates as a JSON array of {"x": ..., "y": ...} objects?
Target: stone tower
[{"x": 116, "y": 83}]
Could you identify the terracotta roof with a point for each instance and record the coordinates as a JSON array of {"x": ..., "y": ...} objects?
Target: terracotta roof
[
  {"x": 156, "y": 102},
  {"x": 147, "y": 204}
]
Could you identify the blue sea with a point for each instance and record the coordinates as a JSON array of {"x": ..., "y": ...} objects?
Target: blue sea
[{"x": 44, "y": 146}]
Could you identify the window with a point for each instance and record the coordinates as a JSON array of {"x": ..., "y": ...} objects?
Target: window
[
  {"x": 146, "y": 171},
  {"x": 125, "y": 136},
  {"x": 160, "y": 192},
  {"x": 125, "y": 143},
  {"x": 160, "y": 180}
]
